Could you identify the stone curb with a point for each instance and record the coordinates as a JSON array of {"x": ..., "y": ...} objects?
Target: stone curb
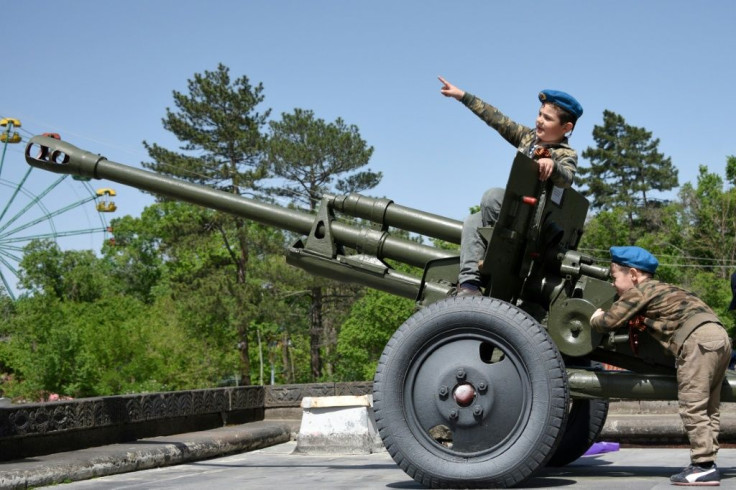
[{"x": 143, "y": 454}]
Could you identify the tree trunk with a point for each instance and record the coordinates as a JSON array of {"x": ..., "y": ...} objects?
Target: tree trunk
[
  {"x": 286, "y": 359},
  {"x": 330, "y": 343},
  {"x": 315, "y": 333},
  {"x": 244, "y": 356},
  {"x": 243, "y": 322}
]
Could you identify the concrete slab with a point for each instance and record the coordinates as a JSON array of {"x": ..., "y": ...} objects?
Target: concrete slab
[
  {"x": 276, "y": 465},
  {"x": 338, "y": 425},
  {"x": 279, "y": 467}
]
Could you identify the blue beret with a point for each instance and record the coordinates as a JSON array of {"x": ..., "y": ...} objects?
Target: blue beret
[
  {"x": 562, "y": 99},
  {"x": 635, "y": 257}
]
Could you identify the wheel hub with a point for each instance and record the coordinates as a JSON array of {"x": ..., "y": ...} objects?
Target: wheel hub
[
  {"x": 464, "y": 394},
  {"x": 453, "y": 392}
]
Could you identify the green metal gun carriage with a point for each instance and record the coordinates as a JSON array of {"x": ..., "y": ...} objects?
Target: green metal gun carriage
[{"x": 469, "y": 391}]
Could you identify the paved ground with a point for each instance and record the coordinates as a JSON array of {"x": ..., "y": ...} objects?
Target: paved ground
[
  {"x": 277, "y": 468},
  {"x": 258, "y": 455}
]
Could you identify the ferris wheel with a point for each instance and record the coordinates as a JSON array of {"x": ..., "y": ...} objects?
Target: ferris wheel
[{"x": 43, "y": 206}]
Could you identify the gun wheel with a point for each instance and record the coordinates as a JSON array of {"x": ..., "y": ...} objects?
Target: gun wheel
[
  {"x": 470, "y": 392},
  {"x": 585, "y": 421}
]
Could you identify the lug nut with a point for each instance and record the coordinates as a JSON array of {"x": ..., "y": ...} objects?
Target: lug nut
[
  {"x": 444, "y": 391},
  {"x": 453, "y": 414},
  {"x": 477, "y": 410},
  {"x": 482, "y": 386},
  {"x": 460, "y": 373}
]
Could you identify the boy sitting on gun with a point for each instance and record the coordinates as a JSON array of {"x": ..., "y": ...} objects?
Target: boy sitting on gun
[{"x": 546, "y": 143}]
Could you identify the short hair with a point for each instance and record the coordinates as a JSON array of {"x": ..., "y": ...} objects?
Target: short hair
[{"x": 564, "y": 115}]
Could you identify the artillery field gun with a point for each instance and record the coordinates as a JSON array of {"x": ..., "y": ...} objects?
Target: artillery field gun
[{"x": 469, "y": 391}]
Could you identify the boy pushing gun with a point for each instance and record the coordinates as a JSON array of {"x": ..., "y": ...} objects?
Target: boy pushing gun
[{"x": 688, "y": 328}]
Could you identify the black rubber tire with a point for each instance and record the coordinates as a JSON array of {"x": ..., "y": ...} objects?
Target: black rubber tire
[
  {"x": 585, "y": 421},
  {"x": 519, "y": 387}
]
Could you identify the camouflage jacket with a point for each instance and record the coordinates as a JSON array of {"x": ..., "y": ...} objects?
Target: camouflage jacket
[
  {"x": 525, "y": 139},
  {"x": 662, "y": 308}
]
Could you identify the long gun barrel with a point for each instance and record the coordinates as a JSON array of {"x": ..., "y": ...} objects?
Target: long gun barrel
[{"x": 62, "y": 157}]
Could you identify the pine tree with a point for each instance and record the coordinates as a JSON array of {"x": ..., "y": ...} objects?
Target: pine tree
[
  {"x": 223, "y": 147},
  {"x": 625, "y": 168},
  {"x": 313, "y": 157}
]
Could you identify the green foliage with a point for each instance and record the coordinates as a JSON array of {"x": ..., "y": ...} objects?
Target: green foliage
[
  {"x": 187, "y": 359},
  {"x": 134, "y": 254},
  {"x": 372, "y": 321},
  {"x": 112, "y": 346},
  {"x": 77, "y": 349},
  {"x": 441, "y": 244},
  {"x": 604, "y": 229},
  {"x": 694, "y": 239},
  {"x": 313, "y": 157},
  {"x": 221, "y": 131},
  {"x": 716, "y": 292},
  {"x": 215, "y": 304},
  {"x": 223, "y": 145},
  {"x": 625, "y": 167},
  {"x": 710, "y": 215},
  {"x": 68, "y": 276},
  {"x": 731, "y": 169}
]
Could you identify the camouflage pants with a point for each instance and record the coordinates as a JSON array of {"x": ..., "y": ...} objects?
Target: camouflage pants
[
  {"x": 472, "y": 245},
  {"x": 701, "y": 368}
]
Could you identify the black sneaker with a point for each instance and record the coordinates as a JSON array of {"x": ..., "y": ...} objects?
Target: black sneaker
[{"x": 695, "y": 475}]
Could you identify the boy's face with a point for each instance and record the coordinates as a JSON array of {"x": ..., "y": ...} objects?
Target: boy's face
[
  {"x": 548, "y": 125},
  {"x": 623, "y": 279}
]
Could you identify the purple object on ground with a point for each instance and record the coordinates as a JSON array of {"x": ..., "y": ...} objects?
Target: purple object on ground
[{"x": 602, "y": 447}]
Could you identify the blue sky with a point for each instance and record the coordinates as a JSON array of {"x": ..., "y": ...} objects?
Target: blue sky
[{"x": 102, "y": 73}]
